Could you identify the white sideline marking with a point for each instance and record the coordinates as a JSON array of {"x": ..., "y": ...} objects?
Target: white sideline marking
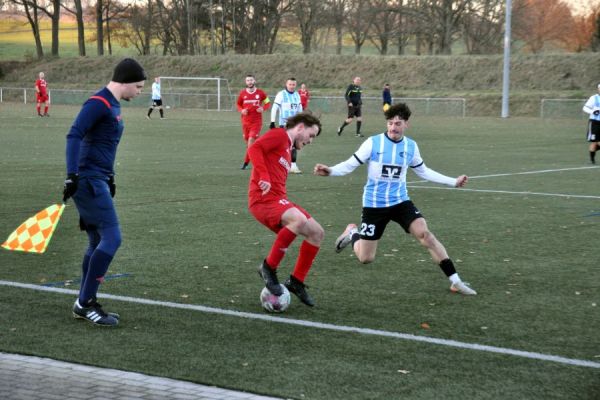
[
  {"x": 320, "y": 325},
  {"x": 541, "y": 171},
  {"x": 576, "y": 196}
]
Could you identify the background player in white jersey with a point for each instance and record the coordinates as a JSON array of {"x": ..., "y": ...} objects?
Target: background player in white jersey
[
  {"x": 385, "y": 197},
  {"x": 287, "y": 103},
  {"x": 592, "y": 107},
  {"x": 156, "y": 99}
]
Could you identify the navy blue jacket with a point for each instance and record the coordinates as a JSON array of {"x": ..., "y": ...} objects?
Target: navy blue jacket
[{"x": 93, "y": 139}]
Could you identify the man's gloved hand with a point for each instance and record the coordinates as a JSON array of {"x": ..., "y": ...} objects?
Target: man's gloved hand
[
  {"x": 272, "y": 125},
  {"x": 70, "y": 186},
  {"x": 111, "y": 186}
]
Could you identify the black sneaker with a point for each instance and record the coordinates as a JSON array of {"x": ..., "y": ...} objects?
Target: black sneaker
[
  {"x": 269, "y": 276},
  {"x": 94, "y": 313},
  {"x": 299, "y": 289},
  {"x": 359, "y": 135},
  {"x": 244, "y": 166},
  {"x": 339, "y": 131}
]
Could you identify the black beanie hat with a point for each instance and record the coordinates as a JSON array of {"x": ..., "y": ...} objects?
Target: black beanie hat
[{"x": 128, "y": 71}]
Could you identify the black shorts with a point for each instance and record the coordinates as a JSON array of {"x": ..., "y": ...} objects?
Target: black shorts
[
  {"x": 354, "y": 111},
  {"x": 374, "y": 220},
  {"x": 593, "y": 132},
  {"x": 157, "y": 103}
]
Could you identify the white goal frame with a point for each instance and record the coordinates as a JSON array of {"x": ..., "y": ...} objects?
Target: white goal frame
[{"x": 221, "y": 84}]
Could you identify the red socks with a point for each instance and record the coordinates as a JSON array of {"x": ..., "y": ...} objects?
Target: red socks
[
  {"x": 307, "y": 255},
  {"x": 283, "y": 240}
]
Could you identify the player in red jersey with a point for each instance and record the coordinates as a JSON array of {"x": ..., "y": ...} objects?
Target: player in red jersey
[
  {"x": 251, "y": 104},
  {"x": 304, "y": 96},
  {"x": 41, "y": 93},
  {"x": 268, "y": 202}
]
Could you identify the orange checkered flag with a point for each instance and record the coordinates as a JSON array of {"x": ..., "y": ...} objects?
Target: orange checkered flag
[{"x": 33, "y": 235}]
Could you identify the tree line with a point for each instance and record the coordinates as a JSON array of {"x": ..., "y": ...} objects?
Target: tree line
[{"x": 192, "y": 27}]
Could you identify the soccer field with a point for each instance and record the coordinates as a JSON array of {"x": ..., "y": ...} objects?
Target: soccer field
[{"x": 523, "y": 232}]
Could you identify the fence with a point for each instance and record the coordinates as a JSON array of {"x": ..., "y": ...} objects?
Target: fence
[
  {"x": 562, "y": 108},
  {"x": 424, "y": 106},
  {"x": 448, "y": 106},
  {"x": 79, "y": 96}
]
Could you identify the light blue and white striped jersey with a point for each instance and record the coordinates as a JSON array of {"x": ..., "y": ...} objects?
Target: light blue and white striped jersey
[
  {"x": 388, "y": 161},
  {"x": 288, "y": 104},
  {"x": 156, "y": 91},
  {"x": 592, "y": 105}
]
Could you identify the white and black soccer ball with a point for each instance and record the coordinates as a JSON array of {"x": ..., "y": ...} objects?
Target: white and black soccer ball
[{"x": 275, "y": 304}]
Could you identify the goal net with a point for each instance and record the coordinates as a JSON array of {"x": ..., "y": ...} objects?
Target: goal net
[
  {"x": 212, "y": 94},
  {"x": 562, "y": 108}
]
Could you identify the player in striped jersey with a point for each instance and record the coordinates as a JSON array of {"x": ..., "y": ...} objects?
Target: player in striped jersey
[
  {"x": 385, "y": 197},
  {"x": 287, "y": 103},
  {"x": 592, "y": 107}
]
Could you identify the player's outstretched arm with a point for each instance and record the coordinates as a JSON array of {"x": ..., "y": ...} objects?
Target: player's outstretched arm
[
  {"x": 322, "y": 170},
  {"x": 461, "y": 181}
]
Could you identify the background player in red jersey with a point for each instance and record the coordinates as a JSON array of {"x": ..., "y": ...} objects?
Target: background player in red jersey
[
  {"x": 268, "y": 202},
  {"x": 304, "y": 96},
  {"x": 41, "y": 92},
  {"x": 251, "y": 103}
]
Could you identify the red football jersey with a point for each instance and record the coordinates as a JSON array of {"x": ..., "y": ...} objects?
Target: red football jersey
[
  {"x": 271, "y": 161},
  {"x": 251, "y": 101},
  {"x": 41, "y": 85},
  {"x": 304, "y": 97}
]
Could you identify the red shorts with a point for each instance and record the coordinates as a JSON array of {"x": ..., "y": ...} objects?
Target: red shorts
[
  {"x": 251, "y": 129},
  {"x": 42, "y": 98},
  {"x": 269, "y": 213}
]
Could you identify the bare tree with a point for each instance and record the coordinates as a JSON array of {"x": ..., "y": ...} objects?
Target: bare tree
[
  {"x": 141, "y": 20},
  {"x": 309, "y": 14},
  {"x": 537, "y": 22},
  {"x": 360, "y": 19},
  {"x": 482, "y": 26},
  {"x": 31, "y": 8},
  {"x": 336, "y": 11},
  {"x": 78, "y": 12},
  {"x": 386, "y": 23}
]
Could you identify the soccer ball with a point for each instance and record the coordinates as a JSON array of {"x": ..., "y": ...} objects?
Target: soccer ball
[{"x": 276, "y": 304}]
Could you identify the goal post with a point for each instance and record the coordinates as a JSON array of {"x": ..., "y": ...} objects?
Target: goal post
[
  {"x": 563, "y": 108},
  {"x": 207, "y": 93}
]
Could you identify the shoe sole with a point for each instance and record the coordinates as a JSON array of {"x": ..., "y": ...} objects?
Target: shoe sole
[
  {"x": 112, "y": 314},
  {"x": 77, "y": 316},
  {"x": 458, "y": 291},
  {"x": 339, "y": 241}
]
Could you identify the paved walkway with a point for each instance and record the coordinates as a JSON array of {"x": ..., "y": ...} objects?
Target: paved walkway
[{"x": 35, "y": 378}]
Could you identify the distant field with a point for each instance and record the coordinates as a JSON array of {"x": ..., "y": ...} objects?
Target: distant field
[
  {"x": 17, "y": 42},
  {"x": 523, "y": 233}
]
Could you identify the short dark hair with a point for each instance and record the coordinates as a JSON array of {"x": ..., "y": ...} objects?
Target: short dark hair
[
  {"x": 250, "y": 76},
  {"x": 400, "y": 110},
  {"x": 307, "y": 118},
  {"x": 291, "y": 79}
]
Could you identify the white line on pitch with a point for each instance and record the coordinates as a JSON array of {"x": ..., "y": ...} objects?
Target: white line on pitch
[
  {"x": 541, "y": 171},
  {"x": 576, "y": 196},
  {"x": 321, "y": 325}
]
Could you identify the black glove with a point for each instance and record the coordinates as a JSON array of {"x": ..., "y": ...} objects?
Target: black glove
[
  {"x": 70, "y": 186},
  {"x": 597, "y": 112},
  {"x": 272, "y": 125},
  {"x": 111, "y": 185}
]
